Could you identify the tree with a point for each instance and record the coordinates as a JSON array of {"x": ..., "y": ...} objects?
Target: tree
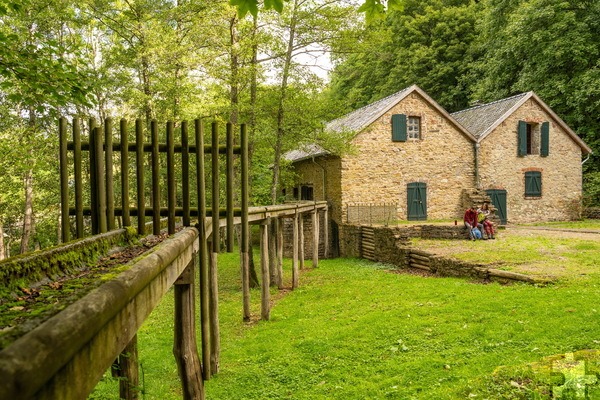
[{"x": 551, "y": 48}]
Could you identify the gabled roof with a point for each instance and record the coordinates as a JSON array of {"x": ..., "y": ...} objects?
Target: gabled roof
[
  {"x": 361, "y": 118},
  {"x": 481, "y": 120}
]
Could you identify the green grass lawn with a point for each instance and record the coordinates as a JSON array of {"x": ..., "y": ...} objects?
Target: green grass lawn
[{"x": 353, "y": 330}]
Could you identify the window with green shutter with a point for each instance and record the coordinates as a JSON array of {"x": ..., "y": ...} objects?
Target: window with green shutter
[
  {"x": 533, "y": 184},
  {"x": 399, "y": 128},
  {"x": 545, "y": 139},
  {"x": 522, "y": 139}
]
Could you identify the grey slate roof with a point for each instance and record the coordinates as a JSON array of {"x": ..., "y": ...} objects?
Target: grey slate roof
[
  {"x": 305, "y": 152},
  {"x": 364, "y": 116},
  {"x": 479, "y": 119}
]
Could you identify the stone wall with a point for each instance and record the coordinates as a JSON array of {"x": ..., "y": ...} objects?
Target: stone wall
[
  {"x": 393, "y": 247},
  {"x": 288, "y": 234},
  {"x": 501, "y": 168}
]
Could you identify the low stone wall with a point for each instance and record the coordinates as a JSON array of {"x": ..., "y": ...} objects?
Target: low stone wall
[{"x": 393, "y": 247}]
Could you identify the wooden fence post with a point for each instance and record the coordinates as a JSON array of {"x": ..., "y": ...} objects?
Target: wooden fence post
[
  {"x": 315, "y": 228},
  {"x": 78, "y": 178},
  {"x": 185, "y": 173},
  {"x": 265, "y": 305},
  {"x": 229, "y": 183},
  {"x": 279, "y": 251},
  {"x": 170, "y": 178},
  {"x": 244, "y": 245},
  {"x": 100, "y": 182},
  {"x": 155, "y": 179},
  {"x": 108, "y": 172},
  {"x": 184, "y": 347},
  {"x": 64, "y": 181},
  {"x": 295, "y": 238},
  {"x": 139, "y": 162},
  {"x": 203, "y": 254},
  {"x": 124, "y": 173},
  {"x": 214, "y": 287},
  {"x": 301, "y": 239}
]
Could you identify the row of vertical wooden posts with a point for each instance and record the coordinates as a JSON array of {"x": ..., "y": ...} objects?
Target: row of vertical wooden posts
[{"x": 103, "y": 214}]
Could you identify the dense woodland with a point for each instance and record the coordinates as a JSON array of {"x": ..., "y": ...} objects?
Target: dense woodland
[{"x": 185, "y": 59}]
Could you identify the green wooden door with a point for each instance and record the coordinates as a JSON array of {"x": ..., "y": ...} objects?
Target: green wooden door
[
  {"x": 417, "y": 201},
  {"x": 498, "y": 197}
]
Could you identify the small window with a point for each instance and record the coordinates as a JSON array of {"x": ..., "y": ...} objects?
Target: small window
[
  {"x": 414, "y": 127},
  {"x": 533, "y": 138},
  {"x": 533, "y": 184},
  {"x": 306, "y": 193},
  {"x": 295, "y": 193}
]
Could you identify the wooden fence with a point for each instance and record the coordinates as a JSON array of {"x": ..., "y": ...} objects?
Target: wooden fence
[{"x": 66, "y": 356}]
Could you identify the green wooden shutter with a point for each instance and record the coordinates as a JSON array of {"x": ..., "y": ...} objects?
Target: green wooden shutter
[
  {"x": 533, "y": 184},
  {"x": 522, "y": 145},
  {"x": 399, "y": 128},
  {"x": 545, "y": 136}
]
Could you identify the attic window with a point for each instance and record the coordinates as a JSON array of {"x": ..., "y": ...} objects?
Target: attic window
[
  {"x": 533, "y": 138},
  {"x": 414, "y": 127}
]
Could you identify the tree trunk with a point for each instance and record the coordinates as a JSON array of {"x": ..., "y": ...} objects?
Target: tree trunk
[
  {"x": 28, "y": 212},
  {"x": 281, "y": 107},
  {"x": 2, "y": 248}
]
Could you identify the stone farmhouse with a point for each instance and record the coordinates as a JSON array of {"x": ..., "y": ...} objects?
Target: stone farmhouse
[{"x": 412, "y": 157}]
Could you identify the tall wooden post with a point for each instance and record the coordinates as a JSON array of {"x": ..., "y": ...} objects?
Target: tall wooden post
[
  {"x": 295, "y": 238},
  {"x": 170, "y": 178},
  {"x": 185, "y": 173},
  {"x": 64, "y": 181},
  {"x": 301, "y": 240},
  {"x": 108, "y": 168},
  {"x": 265, "y": 303},
  {"x": 124, "y": 173},
  {"x": 245, "y": 245},
  {"x": 326, "y": 232},
  {"x": 155, "y": 179},
  {"x": 315, "y": 226},
  {"x": 184, "y": 347},
  {"x": 78, "y": 178},
  {"x": 101, "y": 190},
  {"x": 93, "y": 183},
  {"x": 229, "y": 182},
  {"x": 139, "y": 163},
  {"x": 279, "y": 251},
  {"x": 214, "y": 287},
  {"x": 203, "y": 254}
]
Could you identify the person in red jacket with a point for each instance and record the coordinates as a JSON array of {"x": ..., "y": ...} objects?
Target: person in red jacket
[{"x": 470, "y": 220}]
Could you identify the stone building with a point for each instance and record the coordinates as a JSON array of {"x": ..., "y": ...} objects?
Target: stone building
[
  {"x": 528, "y": 160},
  {"x": 411, "y": 160}
]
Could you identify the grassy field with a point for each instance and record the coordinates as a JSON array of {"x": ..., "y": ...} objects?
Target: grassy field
[{"x": 355, "y": 330}]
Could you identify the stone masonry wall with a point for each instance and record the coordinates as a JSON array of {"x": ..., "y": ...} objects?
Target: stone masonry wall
[
  {"x": 379, "y": 170},
  {"x": 501, "y": 168}
]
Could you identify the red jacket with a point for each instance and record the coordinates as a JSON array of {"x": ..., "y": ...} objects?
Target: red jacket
[{"x": 471, "y": 217}]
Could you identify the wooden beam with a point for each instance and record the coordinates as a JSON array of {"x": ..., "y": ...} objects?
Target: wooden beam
[{"x": 265, "y": 305}]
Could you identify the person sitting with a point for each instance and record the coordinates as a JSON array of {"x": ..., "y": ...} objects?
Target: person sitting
[
  {"x": 471, "y": 223},
  {"x": 483, "y": 219}
]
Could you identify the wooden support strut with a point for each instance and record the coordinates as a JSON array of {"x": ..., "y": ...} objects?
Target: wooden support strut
[
  {"x": 185, "y": 348},
  {"x": 245, "y": 231},
  {"x": 295, "y": 239},
  {"x": 315, "y": 226}
]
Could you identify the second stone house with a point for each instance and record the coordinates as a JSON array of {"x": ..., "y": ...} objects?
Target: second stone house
[{"x": 412, "y": 160}]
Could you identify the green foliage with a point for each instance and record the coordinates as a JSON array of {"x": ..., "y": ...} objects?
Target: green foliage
[{"x": 427, "y": 43}]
